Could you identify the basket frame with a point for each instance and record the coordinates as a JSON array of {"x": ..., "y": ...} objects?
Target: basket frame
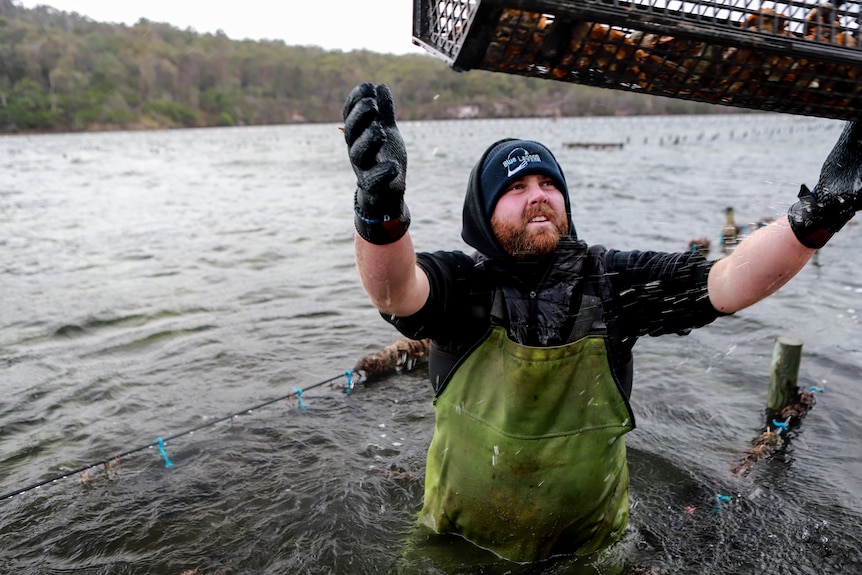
[{"x": 465, "y": 44}]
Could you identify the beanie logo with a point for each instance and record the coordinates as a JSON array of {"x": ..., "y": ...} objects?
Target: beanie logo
[{"x": 518, "y": 159}]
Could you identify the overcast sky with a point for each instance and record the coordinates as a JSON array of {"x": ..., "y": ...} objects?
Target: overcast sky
[{"x": 378, "y": 25}]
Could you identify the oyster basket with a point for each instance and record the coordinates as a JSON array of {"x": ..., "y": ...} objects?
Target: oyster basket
[{"x": 796, "y": 57}]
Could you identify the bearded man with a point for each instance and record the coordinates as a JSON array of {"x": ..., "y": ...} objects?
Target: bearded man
[{"x": 532, "y": 334}]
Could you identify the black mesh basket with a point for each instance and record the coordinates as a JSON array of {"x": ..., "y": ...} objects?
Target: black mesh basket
[{"x": 797, "y": 57}]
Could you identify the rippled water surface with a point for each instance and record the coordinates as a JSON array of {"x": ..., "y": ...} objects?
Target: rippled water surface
[{"x": 154, "y": 283}]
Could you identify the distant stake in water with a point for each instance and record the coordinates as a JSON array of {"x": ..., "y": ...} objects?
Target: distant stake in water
[{"x": 785, "y": 373}]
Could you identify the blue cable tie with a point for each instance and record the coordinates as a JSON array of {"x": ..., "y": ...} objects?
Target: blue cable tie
[
  {"x": 164, "y": 453},
  {"x": 815, "y": 388},
  {"x": 298, "y": 393},
  {"x": 349, "y": 374},
  {"x": 719, "y": 499},
  {"x": 781, "y": 425}
]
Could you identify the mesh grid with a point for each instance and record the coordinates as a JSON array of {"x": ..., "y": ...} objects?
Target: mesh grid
[{"x": 797, "y": 57}]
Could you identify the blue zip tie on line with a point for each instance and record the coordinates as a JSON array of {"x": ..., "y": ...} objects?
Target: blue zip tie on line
[
  {"x": 164, "y": 453},
  {"x": 298, "y": 393},
  {"x": 349, "y": 374},
  {"x": 719, "y": 499},
  {"x": 781, "y": 425}
]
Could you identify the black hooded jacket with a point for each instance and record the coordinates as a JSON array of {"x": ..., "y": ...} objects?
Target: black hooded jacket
[{"x": 540, "y": 302}]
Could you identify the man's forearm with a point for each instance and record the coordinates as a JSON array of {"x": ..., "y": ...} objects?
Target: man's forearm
[
  {"x": 390, "y": 276},
  {"x": 757, "y": 268}
]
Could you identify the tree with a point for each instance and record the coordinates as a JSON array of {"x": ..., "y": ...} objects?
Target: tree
[
  {"x": 62, "y": 71},
  {"x": 28, "y": 108}
]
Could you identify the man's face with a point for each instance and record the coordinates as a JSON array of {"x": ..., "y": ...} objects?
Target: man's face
[{"x": 530, "y": 217}]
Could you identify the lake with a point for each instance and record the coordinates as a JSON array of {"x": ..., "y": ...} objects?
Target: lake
[{"x": 182, "y": 284}]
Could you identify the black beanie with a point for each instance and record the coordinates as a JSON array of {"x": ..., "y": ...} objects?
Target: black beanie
[{"x": 511, "y": 160}]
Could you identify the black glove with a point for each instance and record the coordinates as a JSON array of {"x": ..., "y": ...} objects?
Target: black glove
[
  {"x": 379, "y": 160},
  {"x": 821, "y": 212}
]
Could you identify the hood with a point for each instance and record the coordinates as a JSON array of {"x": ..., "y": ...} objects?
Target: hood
[{"x": 476, "y": 222}]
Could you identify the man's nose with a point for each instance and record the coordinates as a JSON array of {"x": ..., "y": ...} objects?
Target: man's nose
[{"x": 537, "y": 194}]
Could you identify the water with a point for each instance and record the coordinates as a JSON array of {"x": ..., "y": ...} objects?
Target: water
[{"x": 154, "y": 282}]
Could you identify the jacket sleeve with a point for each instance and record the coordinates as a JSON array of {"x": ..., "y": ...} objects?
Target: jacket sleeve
[
  {"x": 660, "y": 293},
  {"x": 448, "y": 310}
]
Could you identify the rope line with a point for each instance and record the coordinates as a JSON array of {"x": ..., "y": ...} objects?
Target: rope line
[{"x": 159, "y": 443}]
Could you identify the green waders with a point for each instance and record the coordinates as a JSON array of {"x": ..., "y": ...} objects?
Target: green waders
[{"x": 528, "y": 457}]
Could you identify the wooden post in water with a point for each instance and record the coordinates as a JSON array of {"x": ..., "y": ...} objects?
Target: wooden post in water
[
  {"x": 784, "y": 401},
  {"x": 785, "y": 372}
]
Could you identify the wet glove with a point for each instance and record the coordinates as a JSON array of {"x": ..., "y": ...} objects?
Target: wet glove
[
  {"x": 821, "y": 212},
  {"x": 379, "y": 160}
]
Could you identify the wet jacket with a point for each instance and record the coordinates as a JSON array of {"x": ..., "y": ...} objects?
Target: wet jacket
[{"x": 647, "y": 293}]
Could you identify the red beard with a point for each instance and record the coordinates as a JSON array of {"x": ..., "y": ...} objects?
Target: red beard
[{"x": 521, "y": 241}]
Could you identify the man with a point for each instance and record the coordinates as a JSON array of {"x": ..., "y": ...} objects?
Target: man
[{"x": 532, "y": 335}]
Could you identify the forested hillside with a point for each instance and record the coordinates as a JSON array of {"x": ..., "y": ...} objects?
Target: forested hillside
[{"x": 63, "y": 72}]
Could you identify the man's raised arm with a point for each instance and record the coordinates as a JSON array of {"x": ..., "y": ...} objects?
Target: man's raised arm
[
  {"x": 767, "y": 259},
  {"x": 384, "y": 251}
]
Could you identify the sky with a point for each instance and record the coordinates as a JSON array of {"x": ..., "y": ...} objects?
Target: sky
[{"x": 379, "y": 25}]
